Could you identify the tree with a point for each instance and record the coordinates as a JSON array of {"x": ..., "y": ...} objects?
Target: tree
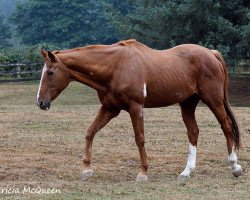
[
  {"x": 7, "y": 7},
  {"x": 220, "y": 24},
  {"x": 62, "y": 22},
  {"x": 4, "y": 34},
  {"x": 244, "y": 45}
]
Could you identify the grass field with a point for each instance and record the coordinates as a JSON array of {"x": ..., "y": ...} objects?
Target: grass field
[{"x": 44, "y": 150}]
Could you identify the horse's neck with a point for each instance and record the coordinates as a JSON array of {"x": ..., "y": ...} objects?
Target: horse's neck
[{"x": 88, "y": 68}]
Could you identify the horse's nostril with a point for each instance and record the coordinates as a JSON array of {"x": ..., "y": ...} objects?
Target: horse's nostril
[{"x": 41, "y": 103}]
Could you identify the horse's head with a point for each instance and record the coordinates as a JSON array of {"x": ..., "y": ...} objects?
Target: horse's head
[{"x": 55, "y": 78}]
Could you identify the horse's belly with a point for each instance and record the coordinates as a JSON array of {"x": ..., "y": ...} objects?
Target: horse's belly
[
  {"x": 163, "y": 102},
  {"x": 168, "y": 95}
]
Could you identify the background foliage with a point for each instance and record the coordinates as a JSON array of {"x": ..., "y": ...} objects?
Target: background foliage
[
  {"x": 68, "y": 24},
  {"x": 219, "y": 24},
  {"x": 4, "y": 33}
]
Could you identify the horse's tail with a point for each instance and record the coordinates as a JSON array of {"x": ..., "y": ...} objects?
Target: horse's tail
[{"x": 234, "y": 125}]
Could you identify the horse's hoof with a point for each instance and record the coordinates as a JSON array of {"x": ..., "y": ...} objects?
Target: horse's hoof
[
  {"x": 183, "y": 176},
  {"x": 86, "y": 174},
  {"x": 237, "y": 171},
  {"x": 141, "y": 178}
]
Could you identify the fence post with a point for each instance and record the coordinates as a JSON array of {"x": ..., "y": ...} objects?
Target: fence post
[{"x": 18, "y": 69}]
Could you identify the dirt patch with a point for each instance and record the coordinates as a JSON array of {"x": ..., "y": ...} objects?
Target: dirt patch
[{"x": 239, "y": 90}]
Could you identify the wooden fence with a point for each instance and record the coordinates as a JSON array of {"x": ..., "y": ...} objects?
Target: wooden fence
[
  {"x": 18, "y": 71},
  {"x": 32, "y": 71}
]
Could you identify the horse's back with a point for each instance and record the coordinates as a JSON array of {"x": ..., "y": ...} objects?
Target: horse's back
[
  {"x": 179, "y": 72},
  {"x": 166, "y": 77},
  {"x": 210, "y": 74}
]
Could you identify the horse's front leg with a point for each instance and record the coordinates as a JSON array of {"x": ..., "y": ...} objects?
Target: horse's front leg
[
  {"x": 104, "y": 115},
  {"x": 136, "y": 114}
]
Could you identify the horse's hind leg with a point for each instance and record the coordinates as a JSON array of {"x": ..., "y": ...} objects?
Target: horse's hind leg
[
  {"x": 188, "y": 115},
  {"x": 103, "y": 117},
  {"x": 218, "y": 107}
]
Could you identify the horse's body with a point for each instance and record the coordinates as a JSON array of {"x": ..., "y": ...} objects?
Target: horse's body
[{"x": 131, "y": 76}]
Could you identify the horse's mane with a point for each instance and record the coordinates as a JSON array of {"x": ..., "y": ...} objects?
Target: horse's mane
[{"x": 98, "y": 46}]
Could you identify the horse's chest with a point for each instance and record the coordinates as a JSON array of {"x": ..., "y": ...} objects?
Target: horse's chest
[{"x": 114, "y": 100}]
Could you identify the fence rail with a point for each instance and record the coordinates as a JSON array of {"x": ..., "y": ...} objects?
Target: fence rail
[
  {"x": 18, "y": 64},
  {"x": 19, "y": 70}
]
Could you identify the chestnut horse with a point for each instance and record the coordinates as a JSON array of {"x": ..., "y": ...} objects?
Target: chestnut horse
[{"x": 130, "y": 76}]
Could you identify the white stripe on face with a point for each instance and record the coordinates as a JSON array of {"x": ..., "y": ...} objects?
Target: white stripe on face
[{"x": 41, "y": 82}]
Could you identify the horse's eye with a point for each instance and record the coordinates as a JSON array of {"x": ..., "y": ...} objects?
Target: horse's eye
[{"x": 50, "y": 73}]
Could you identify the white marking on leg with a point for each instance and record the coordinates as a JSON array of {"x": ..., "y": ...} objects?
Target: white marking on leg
[
  {"x": 40, "y": 85},
  {"x": 144, "y": 90},
  {"x": 191, "y": 161},
  {"x": 236, "y": 169}
]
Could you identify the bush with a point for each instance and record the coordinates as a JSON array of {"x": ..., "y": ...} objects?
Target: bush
[
  {"x": 29, "y": 58},
  {"x": 25, "y": 54}
]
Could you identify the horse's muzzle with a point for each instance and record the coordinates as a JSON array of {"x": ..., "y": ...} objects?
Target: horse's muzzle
[{"x": 44, "y": 105}]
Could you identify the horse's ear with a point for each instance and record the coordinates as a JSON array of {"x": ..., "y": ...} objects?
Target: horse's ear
[
  {"x": 44, "y": 53},
  {"x": 51, "y": 56}
]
